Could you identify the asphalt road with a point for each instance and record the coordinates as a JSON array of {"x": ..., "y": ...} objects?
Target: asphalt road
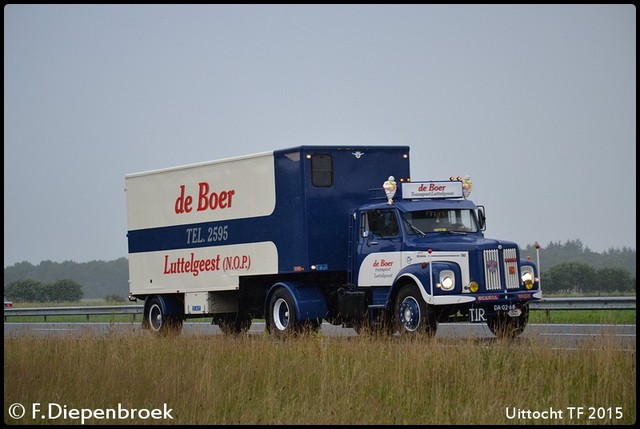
[{"x": 555, "y": 335}]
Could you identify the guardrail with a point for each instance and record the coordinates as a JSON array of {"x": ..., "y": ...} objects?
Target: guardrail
[
  {"x": 586, "y": 303},
  {"x": 75, "y": 311},
  {"x": 546, "y": 304}
]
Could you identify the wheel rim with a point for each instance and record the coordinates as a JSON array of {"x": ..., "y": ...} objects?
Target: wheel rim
[
  {"x": 155, "y": 317},
  {"x": 281, "y": 314},
  {"x": 409, "y": 313}
]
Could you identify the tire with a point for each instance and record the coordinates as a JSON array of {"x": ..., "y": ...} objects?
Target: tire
[
  {"x": 161, "y": 324},
  {"x": 381, "y": 327},
  {"x": 412, "y": 315},
  {"x": 311, "y": 326},
  {"x": 504, "y": 326},
  {"x": 234, "y": 323},
  {"x": 282, "y": 318}
]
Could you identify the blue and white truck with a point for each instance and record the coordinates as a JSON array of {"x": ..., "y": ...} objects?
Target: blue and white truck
[{"x": 319, "y": 233}]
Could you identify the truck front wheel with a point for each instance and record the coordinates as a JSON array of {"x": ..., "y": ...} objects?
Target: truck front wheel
[
  {"x": 282, "y": 313},
  {"x": 412, "y": 315},
  {"x": 159, "y": 323},
  {"x": 504, "y": 326}
]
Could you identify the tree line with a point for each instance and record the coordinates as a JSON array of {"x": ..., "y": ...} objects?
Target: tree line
[
  {"x": 556, "y": 253},
  {"x": 99, "y": 279},
  {"x": 568, "y": 267},
  {"x": 573, "y": 268},
  {"x": 64, "y": 290},
  {"x": 579, "y": 278}
]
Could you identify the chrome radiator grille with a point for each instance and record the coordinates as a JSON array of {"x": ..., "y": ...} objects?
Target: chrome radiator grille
[{"x": 495, "y": 264}]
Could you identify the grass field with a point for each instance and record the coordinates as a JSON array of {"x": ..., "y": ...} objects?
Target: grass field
[
  {"x": 613, "y": 317},
  {"x": 315, "y": 379}
]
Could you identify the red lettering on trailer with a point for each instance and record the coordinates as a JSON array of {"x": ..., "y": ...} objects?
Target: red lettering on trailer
[
  {"x": 238, "y": 262},
  {"x": 183, "y": 203},
  {"x": 190, "y": 265},
  {"x": 213, "y": 200},
  {"x": 206, "y": 200}
]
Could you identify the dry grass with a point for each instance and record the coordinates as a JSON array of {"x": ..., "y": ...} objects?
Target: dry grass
[{"x": 256, "y": 379}]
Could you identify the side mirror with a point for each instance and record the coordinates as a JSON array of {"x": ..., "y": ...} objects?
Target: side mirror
[{"x": 482, "y": 219}]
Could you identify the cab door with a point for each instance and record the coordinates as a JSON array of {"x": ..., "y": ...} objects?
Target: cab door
[{"x": 379, "y": 247}]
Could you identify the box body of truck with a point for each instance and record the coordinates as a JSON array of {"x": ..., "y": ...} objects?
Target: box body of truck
[{"x": 204, "y": 227}]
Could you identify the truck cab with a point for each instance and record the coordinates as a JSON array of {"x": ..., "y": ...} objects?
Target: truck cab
[{"x": 423, "y": 259}]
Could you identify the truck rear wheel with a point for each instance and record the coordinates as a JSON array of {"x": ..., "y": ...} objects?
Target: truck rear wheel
[
  {"x": 282, "y": 314},
  {"x": 504, "y": 326},
  {"x": 412, "y": 315},
  {"x": 159, "y": 323},
  {"x": 234, "y": 323}
]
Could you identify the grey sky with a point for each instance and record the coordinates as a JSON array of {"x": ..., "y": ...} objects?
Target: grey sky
[{"x": 537, "y": 103}]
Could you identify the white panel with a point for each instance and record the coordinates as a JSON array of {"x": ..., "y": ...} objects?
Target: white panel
[
  {"x": 424, "y": 190},
  {"x": 380, "y": 269},
  {"x": 234, "y": 188},
  {"x": 196, "y": 303},
  {"x": 200, "y": 269}
]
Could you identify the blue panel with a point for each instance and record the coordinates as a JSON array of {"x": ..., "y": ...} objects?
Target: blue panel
[
  {"x": 380, "y": 295},
  {"x": 355, "y": 171}
]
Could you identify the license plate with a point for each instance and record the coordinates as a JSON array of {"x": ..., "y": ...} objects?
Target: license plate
[{"x": 504, "y": 307}]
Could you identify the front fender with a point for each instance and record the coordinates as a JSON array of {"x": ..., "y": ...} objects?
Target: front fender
[
  {"x": 171, "y": 304},
  {"x": 426, "y": 276},
  {"x": 308, "y": 299},
  {"x": 536, "y": 286}
]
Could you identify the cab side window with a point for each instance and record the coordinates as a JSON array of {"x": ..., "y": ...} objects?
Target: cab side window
[{"x": 382, "y": 223}]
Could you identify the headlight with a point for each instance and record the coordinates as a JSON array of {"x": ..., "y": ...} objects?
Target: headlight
[
  {"x": 447, "y": 280},
  {"x": 527, "y": 277}
]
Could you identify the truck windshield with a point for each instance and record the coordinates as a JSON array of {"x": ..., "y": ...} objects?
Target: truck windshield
[{"x": 441, "y": 220}]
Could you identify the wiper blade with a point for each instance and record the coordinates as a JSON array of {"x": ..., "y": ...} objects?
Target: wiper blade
[
  {"x": 456, "y": 231},
  {"x": 412, "y": 226}
]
